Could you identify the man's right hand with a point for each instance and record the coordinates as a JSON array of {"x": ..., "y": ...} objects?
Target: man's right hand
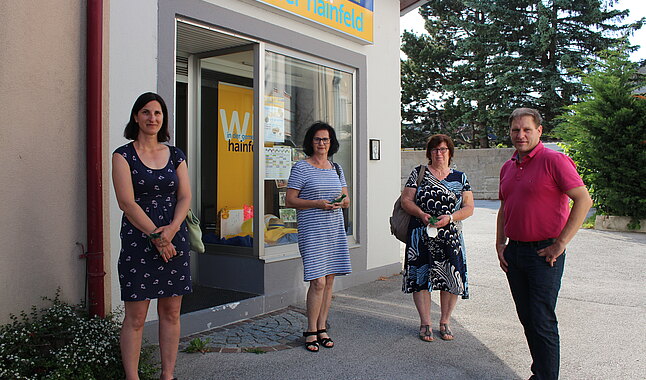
[{"x": 500, "y": 248}]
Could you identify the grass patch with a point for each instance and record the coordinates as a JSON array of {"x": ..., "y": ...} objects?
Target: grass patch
[{"x": 257, "y": 351}]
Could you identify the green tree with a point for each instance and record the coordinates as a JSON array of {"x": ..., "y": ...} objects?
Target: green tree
[
  {"x": 605, "y": 135},
  {"x": 483, "y": 58}
]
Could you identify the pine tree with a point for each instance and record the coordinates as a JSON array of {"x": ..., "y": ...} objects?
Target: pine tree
[
  {"x": 605, "y": 135},
  {"x": 487, "y": 57}
]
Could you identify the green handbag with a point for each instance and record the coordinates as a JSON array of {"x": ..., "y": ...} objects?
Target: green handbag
[{"x": 194, "y": 232}]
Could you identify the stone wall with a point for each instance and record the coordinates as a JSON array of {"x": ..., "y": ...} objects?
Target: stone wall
[{"x": 482, "y": 167}]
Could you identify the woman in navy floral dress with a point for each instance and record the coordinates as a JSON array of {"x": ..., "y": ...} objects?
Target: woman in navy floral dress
[
  {"x": 153, "y": 191},
  {"x": 436, "y": 260}
]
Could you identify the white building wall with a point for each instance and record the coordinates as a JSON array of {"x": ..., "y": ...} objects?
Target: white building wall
[
  {"x": 384, "y": 117},
  {"x": 133, "y": 71}
]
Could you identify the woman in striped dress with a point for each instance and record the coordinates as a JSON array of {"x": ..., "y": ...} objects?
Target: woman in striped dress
[{"x": 319, "y": 192}]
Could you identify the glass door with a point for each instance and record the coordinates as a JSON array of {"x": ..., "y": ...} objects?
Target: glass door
[
  {"x": 227, "y": 162},
  {"x": 214, "y": 124}
]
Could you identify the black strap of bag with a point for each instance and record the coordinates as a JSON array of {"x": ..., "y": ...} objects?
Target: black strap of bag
[
  {"x": 346, "y": 221},
  {"x": 420, "y": 175}
]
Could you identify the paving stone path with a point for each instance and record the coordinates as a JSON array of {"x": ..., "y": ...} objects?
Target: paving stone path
[{"x": 275, "y": 331}]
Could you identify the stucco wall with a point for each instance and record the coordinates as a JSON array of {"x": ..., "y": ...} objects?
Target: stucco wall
[
  {"x": 482, "y": 167},
  {"x": 42, "y": 150}
]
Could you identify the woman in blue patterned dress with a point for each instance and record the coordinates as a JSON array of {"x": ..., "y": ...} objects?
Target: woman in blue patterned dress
[
  {"x": 435, "y": 256},
  {"x": 313, "y": 185},
  {"x": 153, "y": 191}
]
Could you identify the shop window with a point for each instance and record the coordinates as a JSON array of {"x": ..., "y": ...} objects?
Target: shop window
[
  {"x": 226, "y": 138},
  {"x": 298, "y": 93}
]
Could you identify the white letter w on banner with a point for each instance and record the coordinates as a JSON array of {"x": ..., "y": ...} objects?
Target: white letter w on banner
[{"x": 227, "y": 128}]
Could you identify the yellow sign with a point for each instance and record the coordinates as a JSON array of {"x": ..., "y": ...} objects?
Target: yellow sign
[
  {"x": 235, "y": 147},
  {"x": 353, "y": 17}
]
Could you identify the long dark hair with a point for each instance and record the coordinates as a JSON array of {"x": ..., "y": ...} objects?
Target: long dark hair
[
  {"x": 308, "y": 141},
  {"x": 132, "y": 128}
]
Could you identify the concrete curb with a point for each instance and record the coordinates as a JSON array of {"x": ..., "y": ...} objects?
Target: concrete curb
[{"x": 617, "y": 223}]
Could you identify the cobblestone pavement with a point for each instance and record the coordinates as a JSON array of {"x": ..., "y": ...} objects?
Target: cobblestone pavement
[{"x": 275, "y": 331}]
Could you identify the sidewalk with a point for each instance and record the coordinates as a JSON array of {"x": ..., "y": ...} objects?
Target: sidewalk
[{"x": 602, "y": 318}]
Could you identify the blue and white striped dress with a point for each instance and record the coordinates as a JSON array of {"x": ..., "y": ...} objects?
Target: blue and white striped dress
[{"x": 321, "y": 234}]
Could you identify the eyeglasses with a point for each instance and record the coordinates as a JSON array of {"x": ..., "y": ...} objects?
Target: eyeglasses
[
  {"x": 324, "y": 140},
  {"x": 441, "y": 150}
]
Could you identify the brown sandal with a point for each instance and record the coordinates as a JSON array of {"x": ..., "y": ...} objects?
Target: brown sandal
[{"x": 426, "y": 334}]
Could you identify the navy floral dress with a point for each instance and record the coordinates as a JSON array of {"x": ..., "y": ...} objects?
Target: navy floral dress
[
  {"x": 436, "y": 263},
  {"x": 143, "y": 274}
]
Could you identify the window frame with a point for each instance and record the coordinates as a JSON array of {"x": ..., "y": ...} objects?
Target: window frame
[{"x": 290, "y": 251}]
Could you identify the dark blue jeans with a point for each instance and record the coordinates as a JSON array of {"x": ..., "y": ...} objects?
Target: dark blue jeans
[{"x": 535, "y": 287}]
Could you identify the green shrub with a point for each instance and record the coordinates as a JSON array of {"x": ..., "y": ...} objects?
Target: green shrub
[
  {"x": 605, "y": 135},
  {"x": 590, "y": 221},
  {"x": 63, "y": 342}
]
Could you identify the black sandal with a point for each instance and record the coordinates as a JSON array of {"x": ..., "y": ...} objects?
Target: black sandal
[
  {"x": 425, "y": 333},
  {"x": 325, "y": 342},
  {"x": 445, "y": 332},
  {"x": 311, "y": 346}
]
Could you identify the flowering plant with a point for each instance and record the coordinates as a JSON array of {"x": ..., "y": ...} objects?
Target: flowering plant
[{"x": 63, "y": 342}]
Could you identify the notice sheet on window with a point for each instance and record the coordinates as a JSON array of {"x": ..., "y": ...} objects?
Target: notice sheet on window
[
  {"x": 274, "y": 118},
  {"x": 278, "y": 162}
]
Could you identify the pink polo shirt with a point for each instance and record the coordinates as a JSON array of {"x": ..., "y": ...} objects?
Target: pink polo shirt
[{"x": 536, "y": 206}]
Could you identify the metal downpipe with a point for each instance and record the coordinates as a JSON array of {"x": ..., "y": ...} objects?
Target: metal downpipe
[{"x": 94, "y": 255}]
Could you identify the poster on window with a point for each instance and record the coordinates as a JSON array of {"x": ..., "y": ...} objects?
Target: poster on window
[
  {"x": 231, "y": 222},
  {"x": 274, "y": 119},
  {"x": 278, "y": 162},
  {"x": 235, "y": 148}
]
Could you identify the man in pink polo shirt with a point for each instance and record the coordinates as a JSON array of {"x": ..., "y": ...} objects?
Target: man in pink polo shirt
[{"x": 534, "y": 225}]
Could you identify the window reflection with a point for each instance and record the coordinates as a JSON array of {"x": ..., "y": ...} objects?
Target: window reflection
[{"x": 298, "y": 93}]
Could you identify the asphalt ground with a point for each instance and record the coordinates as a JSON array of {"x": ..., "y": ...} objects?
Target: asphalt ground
[{"x": 601, "y": 311}]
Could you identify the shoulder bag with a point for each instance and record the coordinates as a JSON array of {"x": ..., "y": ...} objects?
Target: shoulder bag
[
  {"x": 194, "y": 232},
  {"x": 400, "y": 218}
]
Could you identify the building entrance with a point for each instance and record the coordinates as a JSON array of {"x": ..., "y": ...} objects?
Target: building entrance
[{"x": 214, "y": 126}]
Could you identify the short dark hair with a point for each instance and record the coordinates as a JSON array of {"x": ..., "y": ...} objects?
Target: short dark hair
[
  {"x": 132, "y": 128},
  {"x": 308, "y": 146},
  {"x": 520, "y": 112},
  {"x": 436, "y": 140}
]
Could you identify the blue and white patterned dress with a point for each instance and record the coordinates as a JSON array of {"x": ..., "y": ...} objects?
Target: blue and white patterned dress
[
  {"x": 321, "y": 234},
  {"x": 436, "y": 263},
  {"x": 143, "y": 274}
]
